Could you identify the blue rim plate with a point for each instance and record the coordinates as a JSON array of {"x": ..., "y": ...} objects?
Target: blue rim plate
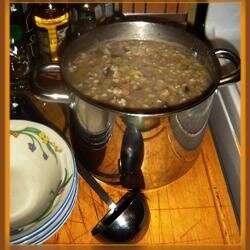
[
  {"x": 53, "y": 227},
  {"x": 33, "y": 230},
  {"x": 51, "y": 223},
  {"x": 61, "y": 221}
]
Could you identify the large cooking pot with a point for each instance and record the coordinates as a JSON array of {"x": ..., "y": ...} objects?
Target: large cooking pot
[{"x": 138, "y": 148}]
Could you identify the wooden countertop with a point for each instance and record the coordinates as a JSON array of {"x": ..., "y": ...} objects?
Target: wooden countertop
[{"x": 195, "y": 209}]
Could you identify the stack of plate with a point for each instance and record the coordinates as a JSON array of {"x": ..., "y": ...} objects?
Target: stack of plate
[{"x": 44, "y": 182}]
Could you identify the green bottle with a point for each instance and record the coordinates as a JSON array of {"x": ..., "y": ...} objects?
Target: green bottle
[
  {"x": 17, "y": 25},
  {"x": 20, "y": 58}
]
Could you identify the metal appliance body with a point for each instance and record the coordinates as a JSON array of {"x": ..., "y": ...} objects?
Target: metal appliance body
[
  {"x": 171, "y": 143},
  {"x": 139, "y": 148}
]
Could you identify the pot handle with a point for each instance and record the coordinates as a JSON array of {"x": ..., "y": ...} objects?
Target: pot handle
[
  {"x": 131, "y": 157},
  {"x": 47, "y": 84},
  {"x": 233, "y": 76}
]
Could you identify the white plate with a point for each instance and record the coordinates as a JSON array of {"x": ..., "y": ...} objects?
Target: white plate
[
  {"x": 43, "y": 173},
  {"x": 54, "y": 226},
  {"x": 34, "y": 233}
]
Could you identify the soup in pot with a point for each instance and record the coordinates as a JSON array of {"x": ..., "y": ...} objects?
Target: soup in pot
[{"x": 139, "y": 74}]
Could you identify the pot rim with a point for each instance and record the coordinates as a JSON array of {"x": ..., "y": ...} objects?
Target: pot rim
[{"x": 145, "y": 112}]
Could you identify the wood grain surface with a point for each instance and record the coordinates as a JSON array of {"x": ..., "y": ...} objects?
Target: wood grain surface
[{"x": 194, "y": 209}]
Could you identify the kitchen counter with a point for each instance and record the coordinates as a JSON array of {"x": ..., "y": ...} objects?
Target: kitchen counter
[{"x": 195, "y": 209}]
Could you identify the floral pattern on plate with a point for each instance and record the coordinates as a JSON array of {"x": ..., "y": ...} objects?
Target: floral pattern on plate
[
  {"x": 38, "y": 138},
  {"x": 41, "y": 140}
]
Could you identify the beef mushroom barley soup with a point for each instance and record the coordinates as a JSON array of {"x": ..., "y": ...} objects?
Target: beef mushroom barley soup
[{"x": 139, "y": 74}]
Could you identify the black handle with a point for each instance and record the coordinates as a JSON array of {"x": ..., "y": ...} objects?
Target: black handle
[
  {"x": 96, "y": 187},
  {"x": 233, "y": 76},
  {"x": 131, "y": 158}
]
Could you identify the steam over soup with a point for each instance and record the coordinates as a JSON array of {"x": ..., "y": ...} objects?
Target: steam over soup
[{"x": 139, "y": 74}]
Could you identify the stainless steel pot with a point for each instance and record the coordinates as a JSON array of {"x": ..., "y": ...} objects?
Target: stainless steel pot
[{"x": 138, "y": 148}]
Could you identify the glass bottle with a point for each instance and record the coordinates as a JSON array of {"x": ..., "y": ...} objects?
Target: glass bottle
[
  {"x": 20, "y": 66},
  {"x": 17, "y": 21},
  {"x": 86, "y": 13},
  {"x": 30, "y": 31},
  {"x": 84, "y": 18},
  {"x": 52, "y": 24},
  {"x": 20, "y": 57}
]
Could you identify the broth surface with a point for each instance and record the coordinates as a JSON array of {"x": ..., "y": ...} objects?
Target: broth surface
[{"x": 139, "y": 74}]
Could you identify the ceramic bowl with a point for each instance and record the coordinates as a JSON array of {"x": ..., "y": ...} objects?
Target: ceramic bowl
[
  {"x": 46, "y": 231},
  {"x": 43, "y": 173}
]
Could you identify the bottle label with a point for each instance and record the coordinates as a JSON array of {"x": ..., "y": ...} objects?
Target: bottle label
[
  {"x": 43, "y": 38},
  {"x": 52, "y": 34}
]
